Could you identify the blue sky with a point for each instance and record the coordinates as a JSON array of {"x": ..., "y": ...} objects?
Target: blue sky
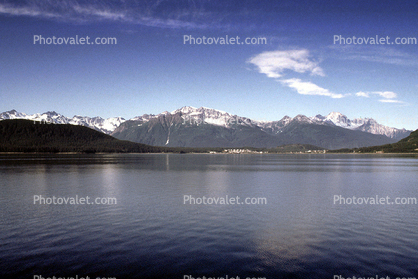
[{"x": 150, "y": 70}]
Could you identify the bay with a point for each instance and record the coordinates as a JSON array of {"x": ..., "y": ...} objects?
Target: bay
[{"x": 296, "y": 230}]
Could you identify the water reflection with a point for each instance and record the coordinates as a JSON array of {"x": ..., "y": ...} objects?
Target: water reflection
[{"x": 299, "y": 233}]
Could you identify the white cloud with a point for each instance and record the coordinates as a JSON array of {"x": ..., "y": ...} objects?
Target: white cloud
[
  {"x": 390, "y": 101},
  {"x": 142, "y": 13},
  {"x": 362, "y": 94},
  {"x": 274, "y": 63},
  {"x": 26, "y": 11},
  {"x": 309, "y": 88},
  {"x": 106, "y": 14},
  {"x": 389, "y": 96},
  {"x": 370, "y": 53},
  {"x": 386, "y": 94}
]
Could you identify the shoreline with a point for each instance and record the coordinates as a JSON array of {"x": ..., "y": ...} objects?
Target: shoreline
[{"x": 209, "y": 153}]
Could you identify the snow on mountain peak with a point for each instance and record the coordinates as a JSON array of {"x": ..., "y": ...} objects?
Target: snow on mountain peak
[
  {"x": 213, "y": 110},
  {"x": 336, "y": 117},
  {"x": 196, "y": 116},
  {"x": 339, "y": 119},
  {"x": 103, "y": 125},
  {"x": 335, "y": 114},
  {"x": 302, "y": 118},
  {"x": 185, "y": 109},
  {"x": 12, "y": 114},
  {"x": 200, "y": 115}
]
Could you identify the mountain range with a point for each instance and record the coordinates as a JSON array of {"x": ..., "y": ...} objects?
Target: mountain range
[
  {"x": 205, "y": 127},
  {"x": 100, "y": 124},
  {"x": 20, "y": 135}
]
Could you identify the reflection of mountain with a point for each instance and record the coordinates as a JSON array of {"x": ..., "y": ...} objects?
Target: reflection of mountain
[{"x": 289, "y": 236}]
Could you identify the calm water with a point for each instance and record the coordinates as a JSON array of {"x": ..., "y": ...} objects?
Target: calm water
[{"x": 151, "y": 233}]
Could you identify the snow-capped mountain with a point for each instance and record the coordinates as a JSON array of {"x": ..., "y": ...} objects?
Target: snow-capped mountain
[
  {"x": 47, "y": 117},
  {"x": 201, "y": 115},
  {"x": 368, "y": 125},
  {"x": 197, "y": 116},
  {"x": 13, "y": 114},
  {"x": 204, "y": 127},
  {"x": 106, "y": 126},
  {"x": 204, "y": 115},
  {"x": 209, "y": 116}
]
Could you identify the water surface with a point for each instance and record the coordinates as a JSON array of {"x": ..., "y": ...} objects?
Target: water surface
[{"x": 151, "y": 233}]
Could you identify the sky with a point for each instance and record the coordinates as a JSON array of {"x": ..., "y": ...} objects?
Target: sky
[{"x": 167, "y": 54}]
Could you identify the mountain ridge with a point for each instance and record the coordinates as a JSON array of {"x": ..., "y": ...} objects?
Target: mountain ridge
[
  {"x": 22, "y": 135},
  {"x": 190, "y": 127},
  {"x": 204, "y": 115},
  {"x": 26, "y": 136},
  {"x": 98, "y": 123},
  {"x": 405, "y": 145}
]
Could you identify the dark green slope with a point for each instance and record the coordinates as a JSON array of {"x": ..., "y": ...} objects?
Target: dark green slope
[
  {"x": 331, "y": 137},
  {"x": 406, "y": 145},
  {"x": 28, "y": 136}
]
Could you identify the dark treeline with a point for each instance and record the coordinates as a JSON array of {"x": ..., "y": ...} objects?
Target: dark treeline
[
  {"x": 406, "y": 145},
  {"x": 29, "y": 136},
  {"x": 20, "y": 135}
]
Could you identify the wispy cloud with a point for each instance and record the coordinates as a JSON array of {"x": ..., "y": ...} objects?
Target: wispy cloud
[
  {"x": 309, "y": 88},
  {"x": 391, "y": 101},
  {"x": 384, "y": 94},
  {"x": 101, "y": 13},
  {"x": 274, "y": 63},
  {"x": 148, "y": 13},
  {"x": 363, "y": 94},
  {"x": 32, "y": 11},
  {"x": 371, "y": 53},
  {"x": 389, "y": 96}
]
